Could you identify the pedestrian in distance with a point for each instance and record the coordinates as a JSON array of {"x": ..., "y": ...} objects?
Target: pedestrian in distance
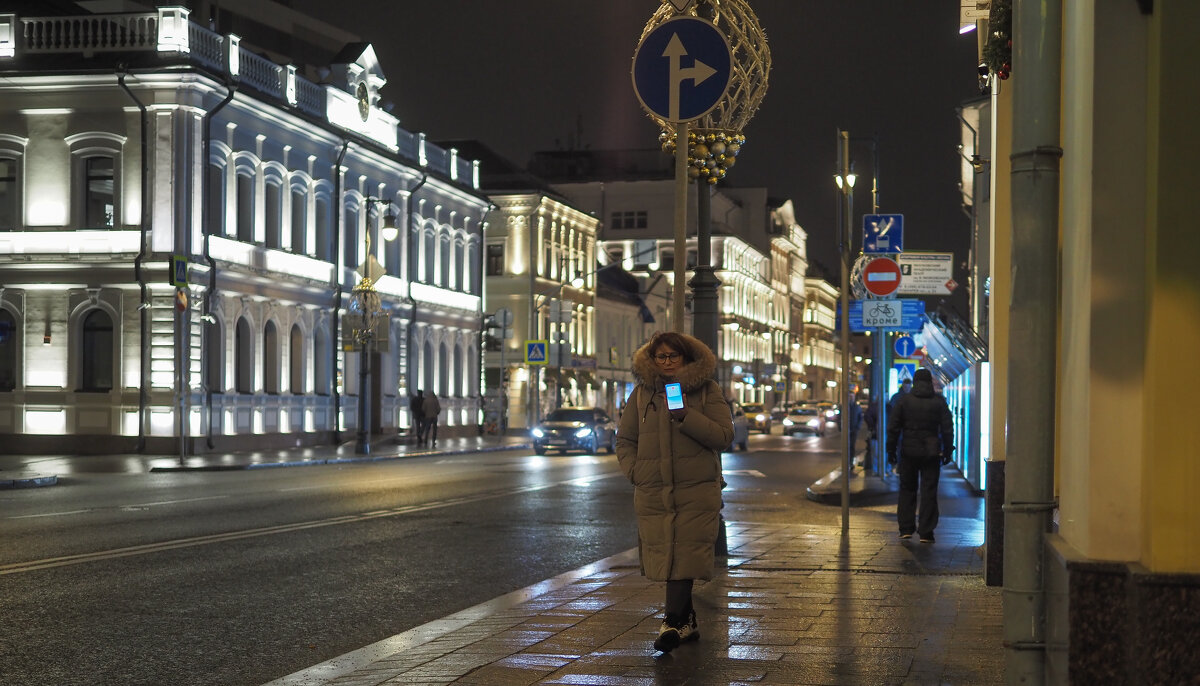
[
  {"x": 921, "y": 434},
  {"x": 905, "y": 388},
  {"x": 416, "y": 407},
  {"x": 673, "y": 459},
  {"x": 430, "y": 410}
]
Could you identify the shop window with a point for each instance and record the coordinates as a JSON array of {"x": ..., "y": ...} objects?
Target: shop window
[
  {"x": 321, "y": 362},
  {"x": 96, "y": 352},
  {"x": 214, "y": 360}
]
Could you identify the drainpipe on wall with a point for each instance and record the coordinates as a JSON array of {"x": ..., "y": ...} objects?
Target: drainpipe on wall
[
  {"x": 339, "y": 222},
  {"x": 1033, "y": 311},
  {"x": 205, "y": 224},
  {"x": 144, "y": 308}
]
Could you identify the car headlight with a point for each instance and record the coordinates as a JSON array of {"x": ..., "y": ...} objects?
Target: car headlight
[
  {"x": 760, "y": 418},
  {"x": 583, "y": 433},
  {"x": 537, "y": 432},
  {"x": 814, "y": 422},
  {"x": 788, "y": 422}
]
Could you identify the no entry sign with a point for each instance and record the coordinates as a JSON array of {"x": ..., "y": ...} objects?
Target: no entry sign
[{"x": 881, "y": 276}]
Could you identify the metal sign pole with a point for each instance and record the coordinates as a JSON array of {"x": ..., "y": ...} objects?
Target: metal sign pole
[{"x": 681, "y": 193}]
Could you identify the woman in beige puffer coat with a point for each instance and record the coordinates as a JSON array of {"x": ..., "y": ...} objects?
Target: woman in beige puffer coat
[{"x": 673, "y": 459}]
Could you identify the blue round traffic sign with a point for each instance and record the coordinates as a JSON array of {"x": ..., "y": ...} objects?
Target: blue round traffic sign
[
  {"x": 681, "y": 69},
  {"x": 904, "y": 346}
]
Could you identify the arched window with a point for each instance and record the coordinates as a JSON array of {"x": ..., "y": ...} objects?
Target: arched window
[
  {"x": 8, "y": 351},
  {"x": 216, "y": 200},
  {"x": 351, "y": 238},
  {"x": 444, "y": 255},
  {"x": 245, "y": 208},
  {"x": 296, "y": 360},
  {"x": 214, "y": 357},
  {"x": 463, "y": 373},
  {"x": 243, "y": 363},
  {"x": 461, "y": 268},
  {"x": 444, "y": 379},
  {"x": 323, "y": 229},
  {"x": 320, "y": 360},
  {"x": 299, "y": 222},
  {"x": 96, "y": 352},
  {"x": 429, "y": 256},
  {"x": 273, "y": 207},
  {"x": 272, "y": 366},
  {"x": 428, "y": 363}
]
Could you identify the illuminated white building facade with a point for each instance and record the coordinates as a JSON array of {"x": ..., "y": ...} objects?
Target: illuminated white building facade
[{"x": 182, "y": 223}]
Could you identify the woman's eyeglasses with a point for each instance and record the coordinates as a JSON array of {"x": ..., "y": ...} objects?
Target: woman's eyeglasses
[{"x": 667, "y": 357}]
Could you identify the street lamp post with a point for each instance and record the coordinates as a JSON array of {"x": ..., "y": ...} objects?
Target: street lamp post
[
  {"x": 845, "y": 182},
  {"x": 367, "y": 325}
]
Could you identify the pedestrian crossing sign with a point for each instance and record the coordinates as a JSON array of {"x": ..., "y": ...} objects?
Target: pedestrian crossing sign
[{"x": 535, "y": 352}]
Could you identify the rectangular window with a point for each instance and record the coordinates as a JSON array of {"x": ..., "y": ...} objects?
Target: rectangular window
[
  {"x": 216, "y": 201},
  {"x": 99, "y": 186},
  {"x": 8, "y": 195},
  {"x": 629, "y": 220},
  {"x": 495, "y": 259}
]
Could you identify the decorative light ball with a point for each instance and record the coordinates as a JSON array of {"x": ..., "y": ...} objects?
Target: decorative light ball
[
  {"x": 733, "y": 148},
  {"x": 700, "y": 150},
  {"x": 718, "y": 148}
]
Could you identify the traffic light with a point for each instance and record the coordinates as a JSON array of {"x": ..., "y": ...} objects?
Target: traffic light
[{"x": 491, "y": 335}]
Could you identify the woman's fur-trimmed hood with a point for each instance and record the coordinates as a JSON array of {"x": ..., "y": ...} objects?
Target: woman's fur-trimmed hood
[{"x": 691, "y": 376}]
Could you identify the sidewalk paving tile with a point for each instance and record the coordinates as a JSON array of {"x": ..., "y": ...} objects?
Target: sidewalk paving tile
[{"x": 794, "y": 605}]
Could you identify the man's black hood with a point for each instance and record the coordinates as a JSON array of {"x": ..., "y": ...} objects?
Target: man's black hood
[{"x": 923, "y": 383}]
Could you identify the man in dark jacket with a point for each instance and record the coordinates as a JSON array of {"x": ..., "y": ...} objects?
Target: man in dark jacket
[
  {"x": 417, "y": 407},
  {"x": 921, "y": 426}
]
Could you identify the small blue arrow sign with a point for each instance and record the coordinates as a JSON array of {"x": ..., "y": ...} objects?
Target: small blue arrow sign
[
  {"x": 681, "y": 69},
  {"x": 904, "y": 346},
  {"x": 883, "y": 233}
]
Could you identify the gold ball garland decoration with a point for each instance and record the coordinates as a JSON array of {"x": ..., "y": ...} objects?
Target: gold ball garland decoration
[{"x": 710, "y": 153}]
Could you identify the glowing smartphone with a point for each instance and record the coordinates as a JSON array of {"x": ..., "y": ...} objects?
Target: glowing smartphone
[{"x": 674, "y": 396}]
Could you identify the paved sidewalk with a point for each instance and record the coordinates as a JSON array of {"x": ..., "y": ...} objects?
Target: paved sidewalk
[{"x": 795, "y": 604}]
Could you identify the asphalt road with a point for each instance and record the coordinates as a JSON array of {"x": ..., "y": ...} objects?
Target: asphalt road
[{"x": 238, "y": 578}]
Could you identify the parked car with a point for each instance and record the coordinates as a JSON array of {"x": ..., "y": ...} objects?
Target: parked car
[
  {"x": 758, "y": 417},
  {"x": 741, "y": 429},
  {"x": 804, "y": 419},
  {"x": 575, "y": 428}
]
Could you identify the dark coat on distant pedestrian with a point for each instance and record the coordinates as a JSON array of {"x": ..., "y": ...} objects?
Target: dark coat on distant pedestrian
[
  {"x": 675, "y": 466},
  {"x": 920, "y": 424}
]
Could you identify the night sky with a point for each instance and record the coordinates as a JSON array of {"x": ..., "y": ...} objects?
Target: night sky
[{"x": 527, "y": 75}]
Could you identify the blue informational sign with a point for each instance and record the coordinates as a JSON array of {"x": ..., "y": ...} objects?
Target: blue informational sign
[
  {"x": 535, "y": 352},
  {"x": 681, "y": 69},
  {"x": 883, "y": 233},
  {"x": 912, "y": 313},
  {"x": 904, "y": 346},
  {"x": 905, "y": 370}
]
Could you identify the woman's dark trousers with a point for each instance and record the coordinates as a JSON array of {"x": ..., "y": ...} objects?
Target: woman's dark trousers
[{"x": 926, "y": 471}]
